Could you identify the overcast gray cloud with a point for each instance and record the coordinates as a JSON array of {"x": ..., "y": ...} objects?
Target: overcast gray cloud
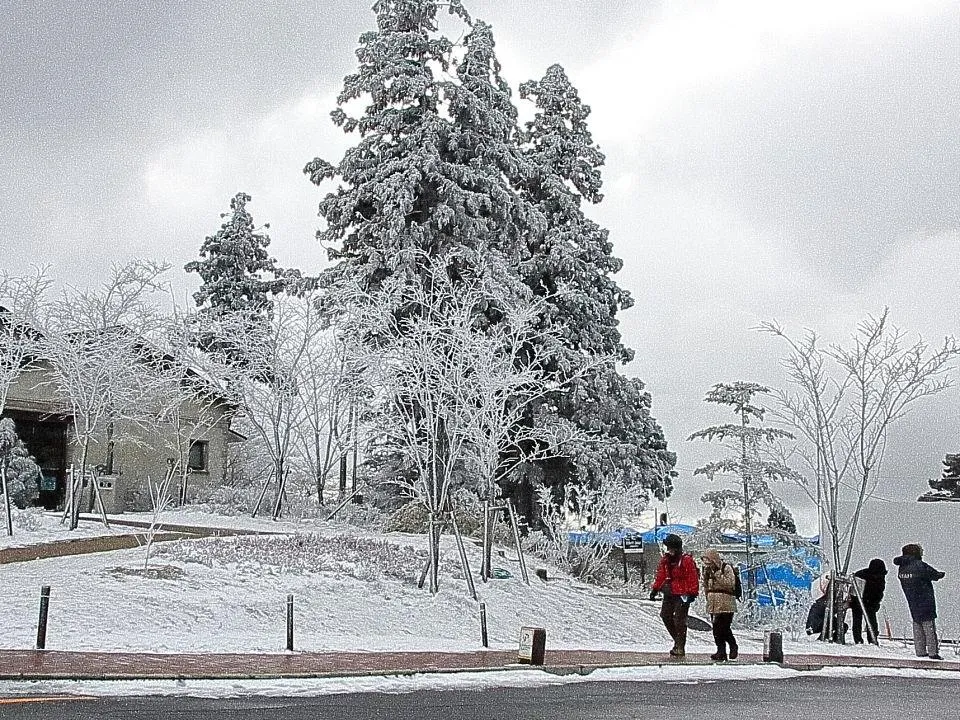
[{"x": 795, "y": 160}]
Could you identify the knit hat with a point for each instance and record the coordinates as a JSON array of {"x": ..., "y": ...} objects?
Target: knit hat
[
  {"x": 713, "y": 556},
  {"x": 673, "y": 542},
  {"x": 913, "y": 549}
]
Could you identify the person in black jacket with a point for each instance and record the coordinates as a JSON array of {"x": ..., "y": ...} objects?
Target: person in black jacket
[
  {"x": 916, "y": 579},
  {"x": 874, "y": 578}
]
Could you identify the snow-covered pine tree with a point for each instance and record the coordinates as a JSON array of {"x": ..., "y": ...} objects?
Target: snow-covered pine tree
[
  {"x": 430, "y": 174},
  {"x": 749, "y": 460},
  {"x": 237, "y": 271},
  {"x": 571, "y": 264}
]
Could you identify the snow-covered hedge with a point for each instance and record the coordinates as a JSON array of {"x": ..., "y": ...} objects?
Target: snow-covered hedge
[{"x": 360, "y": 558}]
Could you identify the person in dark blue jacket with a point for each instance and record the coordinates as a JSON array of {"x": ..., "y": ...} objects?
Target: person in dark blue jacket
[{"x": 916, "y": 579}]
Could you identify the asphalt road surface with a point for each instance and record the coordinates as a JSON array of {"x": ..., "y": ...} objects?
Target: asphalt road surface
[{"x": 808, "y": 698}]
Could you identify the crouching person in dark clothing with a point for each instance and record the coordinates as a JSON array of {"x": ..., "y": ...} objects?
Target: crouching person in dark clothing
[
  {"x": 916, "y": 579},
  {"x": 677, "y": 578},
  {"x": 874, "y": 578}
]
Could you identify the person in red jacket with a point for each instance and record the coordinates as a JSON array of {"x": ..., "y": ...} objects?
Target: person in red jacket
[{"x": 677, "y": 578}]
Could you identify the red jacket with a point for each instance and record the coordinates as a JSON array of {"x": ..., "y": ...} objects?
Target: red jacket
[{"x": 683, "y": 576}]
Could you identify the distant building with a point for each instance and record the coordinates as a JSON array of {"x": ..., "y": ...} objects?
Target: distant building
[{"x": 125, "y": 460}]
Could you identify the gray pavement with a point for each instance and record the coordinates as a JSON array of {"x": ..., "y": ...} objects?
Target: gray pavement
[{"x": 807, "y": 697}]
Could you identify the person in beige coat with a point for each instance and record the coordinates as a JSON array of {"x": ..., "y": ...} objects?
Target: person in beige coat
[{"x": 719, "y": 581}]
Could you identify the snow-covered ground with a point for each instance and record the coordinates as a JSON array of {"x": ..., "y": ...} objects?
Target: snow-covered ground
[
  {"x": 436, "y": 681},
  {"x": 229, "y": 594},
  {"x": 33, "y": 527}
]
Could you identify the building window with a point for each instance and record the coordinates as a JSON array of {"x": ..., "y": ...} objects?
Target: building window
[{"x": 199, "y": 456}]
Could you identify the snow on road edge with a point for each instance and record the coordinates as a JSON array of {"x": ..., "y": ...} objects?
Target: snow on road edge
[{"x": 441, "y": 681}]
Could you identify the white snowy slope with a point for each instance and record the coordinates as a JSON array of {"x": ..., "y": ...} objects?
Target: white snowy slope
[{"x": 354, "y": 590}]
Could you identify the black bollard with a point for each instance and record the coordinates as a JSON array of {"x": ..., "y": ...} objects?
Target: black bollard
[
  {"x": 42, "y": 623},
  {"x": 483, "y": 625},
  {"x": 290, "y": 622},
  {"x": 773, "y": 647}
]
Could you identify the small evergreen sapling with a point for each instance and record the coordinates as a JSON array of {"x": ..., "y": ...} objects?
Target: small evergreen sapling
[{"x": 749, "y": 443}]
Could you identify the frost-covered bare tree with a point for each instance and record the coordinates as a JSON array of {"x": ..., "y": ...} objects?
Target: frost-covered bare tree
[
  {"x": 453, "y": 386},
  {"x": 328, "y": 388},
  {"x": 266, "y": 386},
  {"x": 23, "y": 300},
  {"x": 602, "y": 509},
  {"x": 189, "y": 399},
  {"x": 844, "y": 402},
  {"x": 96, "y": 342}
]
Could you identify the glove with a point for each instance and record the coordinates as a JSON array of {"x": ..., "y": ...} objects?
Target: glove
[{"x": 653, "y": 594}]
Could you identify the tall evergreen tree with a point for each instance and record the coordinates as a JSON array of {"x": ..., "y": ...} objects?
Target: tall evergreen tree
[
  {"x": 429, "y": 175},
  {"x": 441, "y": 169},
  {"x": 237, "y": 271},
  {"x": 571, "y": 264}
]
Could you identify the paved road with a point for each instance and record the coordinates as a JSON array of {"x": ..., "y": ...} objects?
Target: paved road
[{"x": 805, "y": 697}]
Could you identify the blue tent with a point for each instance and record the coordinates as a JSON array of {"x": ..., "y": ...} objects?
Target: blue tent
[
  {"x": 585, "y": 537},
  {"x": 615, "y": 537},
  {"x": 657, "y": 534}
]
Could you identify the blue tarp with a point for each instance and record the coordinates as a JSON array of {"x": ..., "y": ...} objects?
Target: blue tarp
[
  {"x": 615, "y": 537},
  {"x": 772, "y": 575}
]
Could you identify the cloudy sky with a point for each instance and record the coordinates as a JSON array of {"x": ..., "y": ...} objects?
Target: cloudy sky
[{"x": 789, "y": 160}]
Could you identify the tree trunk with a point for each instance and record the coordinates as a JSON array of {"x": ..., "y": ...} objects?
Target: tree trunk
[
  {"x": 6, "y": 495},
  {"x": 77, "y": 497}
]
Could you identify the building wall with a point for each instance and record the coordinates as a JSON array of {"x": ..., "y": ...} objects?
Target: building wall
[{"x": 139, "y": 456}]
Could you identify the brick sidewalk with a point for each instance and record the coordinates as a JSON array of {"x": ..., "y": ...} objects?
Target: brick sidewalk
[{"x": 38, "y": 665}]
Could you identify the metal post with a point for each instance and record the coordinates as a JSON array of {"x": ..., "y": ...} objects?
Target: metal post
[
  {"x": 290, "y": 621},
  {"x": 42, "y": 624},
  {"x": 343, "y": 476},
  {"x": 432, "y": 565},
  {"x": 623, "y": 547},
  {"x": 483, "y": 625}
]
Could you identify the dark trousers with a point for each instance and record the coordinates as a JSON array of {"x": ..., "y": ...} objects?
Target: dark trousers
[
  {"x": 673, "y": 612},
  {"x": 858, "y": 621},
  {"x": 722, "y": 634}
]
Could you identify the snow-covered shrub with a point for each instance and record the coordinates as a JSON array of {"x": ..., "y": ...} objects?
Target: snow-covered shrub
[
  {"x": 19, "y": 466},
  {"x": 28, "y": 519},
  {"x": 361, "y": 558},
  {"x": 230, "y": 499},
  {"x": 413, "y": 517},
  {"x": 363, "y": 515},
  {"x": 606, "y": 508}
]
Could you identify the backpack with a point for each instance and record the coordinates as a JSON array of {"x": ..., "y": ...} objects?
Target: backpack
[{"x": 737, "y": 585}]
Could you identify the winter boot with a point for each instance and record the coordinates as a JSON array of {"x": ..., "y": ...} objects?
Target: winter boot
[
  {"x": 734, "y": 651},
  {"x": 718, "y": 657}
]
